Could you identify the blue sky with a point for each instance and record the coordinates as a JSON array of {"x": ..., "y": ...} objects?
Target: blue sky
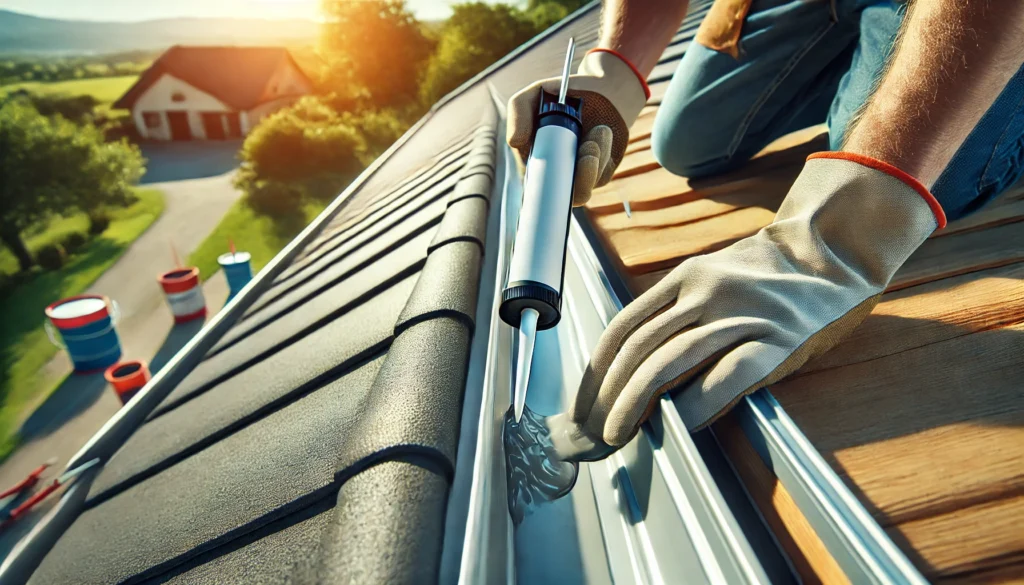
[{"x": 127, "y": 10}]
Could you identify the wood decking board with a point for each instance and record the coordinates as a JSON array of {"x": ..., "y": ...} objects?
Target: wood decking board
[
  {"x": 930, "y": 313},
  {"x": 969, "y": 542},
  {"x": 810, "y": 558},
  {"x": 920, "y": 411}
]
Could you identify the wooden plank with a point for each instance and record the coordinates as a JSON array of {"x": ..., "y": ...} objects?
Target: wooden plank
[
  {"x": 938, "y": 470},
  {"x": 646, "y": 250},
  {"x": 904, "y": 428},
  {"x": 992, "y": 238},
  {"x": 635, "y": 163},
  {"x": 645, "y": 218},
  {"x": 930, "y": 313},
  {"x": 638, "y": 145},
  {"x": 981, "y": 538},
  {"x": 644, "y": 123},
  {"x": 961, "y": 253},
  {"x": 794, "y": 533}
]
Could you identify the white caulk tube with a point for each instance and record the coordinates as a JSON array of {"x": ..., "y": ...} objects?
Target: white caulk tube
[{"x": 538, "y": 254}]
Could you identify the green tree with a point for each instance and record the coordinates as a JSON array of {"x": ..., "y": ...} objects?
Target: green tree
[
  {"x": 475, "y": 36},
  {"x": 51, "y": 165},
  {"x": 374, "y": 51}
]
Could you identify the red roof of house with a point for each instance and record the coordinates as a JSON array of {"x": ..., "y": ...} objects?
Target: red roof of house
[{"x": 236, "y": 76}]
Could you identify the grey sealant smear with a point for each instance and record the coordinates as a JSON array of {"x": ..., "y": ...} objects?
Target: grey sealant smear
[{"x": 534, "y": 471}]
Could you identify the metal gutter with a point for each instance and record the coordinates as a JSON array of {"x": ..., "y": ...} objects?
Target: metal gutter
[
  {"x": 648, "y": 514},
  {"x": 859, "y": 545},
  {"x": 487, "y": 543},
  {"x": 30, "y": 551}
]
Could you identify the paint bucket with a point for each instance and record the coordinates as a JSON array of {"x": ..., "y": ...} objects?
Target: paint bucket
[
  {"x": 184, "y": 294},
  {"x": 127, "y": 378},
  {"x": 85, "y": 326},
  {"x": 237, "y": 269}
]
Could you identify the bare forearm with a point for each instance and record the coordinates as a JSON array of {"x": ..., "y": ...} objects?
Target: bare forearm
[
  {"x": 640, "y": 30},
  {"x": 951, "y": 63}
]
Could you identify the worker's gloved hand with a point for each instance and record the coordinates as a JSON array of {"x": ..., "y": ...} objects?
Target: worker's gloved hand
[
  {"x": 725, "y": 324},
  {"x": 613, "y": 93}
]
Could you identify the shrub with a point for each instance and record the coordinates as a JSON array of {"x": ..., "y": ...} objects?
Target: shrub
[
  {"x": 98, "y": 223},
  {"x": 51, "y": 257},
  {"x": 73, "y": 242},
  {"x": 272, "y": 198}
]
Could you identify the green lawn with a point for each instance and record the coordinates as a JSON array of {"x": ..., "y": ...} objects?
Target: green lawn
[
  {"x": 251, "y": 232},
  {"x": 106, "y": 90},
  {"x": 24, "y": 347}
]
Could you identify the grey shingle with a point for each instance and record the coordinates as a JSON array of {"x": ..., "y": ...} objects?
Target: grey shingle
[
  {"x": 278, "y": 465},
  {"x": 465, "y": 221},
  {"x": 387, "y": 528},
  {"x": 366, "y": 324}
]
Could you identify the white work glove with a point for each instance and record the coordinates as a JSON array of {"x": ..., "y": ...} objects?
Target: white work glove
[
  {"x": 725, "y": 324},
  {"x": 613, "y": 93}
]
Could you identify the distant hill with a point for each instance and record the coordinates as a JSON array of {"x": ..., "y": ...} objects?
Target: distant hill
[{"x": 21, "y": 33}]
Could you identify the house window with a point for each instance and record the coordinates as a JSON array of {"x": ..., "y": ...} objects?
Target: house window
[
  {"x": 151, "y": 119},
  {"x": 177, "y": 97}
]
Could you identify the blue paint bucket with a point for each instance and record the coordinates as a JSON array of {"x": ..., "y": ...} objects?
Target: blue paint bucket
[
  {"x": 85, "y": 325},
  {"x": 237, "y": 269}
]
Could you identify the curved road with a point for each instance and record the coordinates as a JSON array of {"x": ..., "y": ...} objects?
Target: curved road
[{"x": 74, "y": 412}]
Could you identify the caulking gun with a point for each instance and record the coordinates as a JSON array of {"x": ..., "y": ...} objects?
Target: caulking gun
[{"x": 531, "y": 300}]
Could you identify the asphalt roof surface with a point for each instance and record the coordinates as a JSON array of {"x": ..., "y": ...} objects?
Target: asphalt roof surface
[{"x": 317, "y": 439}]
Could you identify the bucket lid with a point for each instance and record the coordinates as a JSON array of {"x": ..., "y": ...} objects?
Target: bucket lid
[
  {"x": 179, "y": 279},
  {"x": 77, "y": 311},
  {"x": 236, "y": 258}
]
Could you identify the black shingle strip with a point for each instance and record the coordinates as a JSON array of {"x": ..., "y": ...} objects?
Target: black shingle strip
[
  {"x": 409, "y": 205},
  {"x": 388, "y": 527},
  {"x": 405, "y": 245},
  {"x": 266, "y": 471},
  {"x": 316, "y": 310},
  {"x": 447, "y": 286},
  {"x": 387, "y": 203},
  {"x": 421, "y": 210},
  {"x": 430, "y": 168},
  {"x": 465, "y": 221},
  {"x": 438, "y": 165},
  {"x": 381, "y": 206},
  {"x": 265, "y": 556},
  {"x": 369, "y": 319},
  {"x": 170, "y": 439},
  {"x": 416, "y": 400}
]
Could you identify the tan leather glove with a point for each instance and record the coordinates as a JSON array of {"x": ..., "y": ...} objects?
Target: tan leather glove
[
  {"x": 725, "y": 324},
  {"x": 613, "y": 93}
]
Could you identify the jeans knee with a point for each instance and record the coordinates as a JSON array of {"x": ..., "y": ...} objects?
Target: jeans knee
[{"x": 687, "y": 149}]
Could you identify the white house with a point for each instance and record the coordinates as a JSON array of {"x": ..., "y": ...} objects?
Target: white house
[{"x": 212, "y": 93}]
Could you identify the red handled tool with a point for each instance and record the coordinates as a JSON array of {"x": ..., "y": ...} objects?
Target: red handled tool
[{"x": 42, "y": 494}]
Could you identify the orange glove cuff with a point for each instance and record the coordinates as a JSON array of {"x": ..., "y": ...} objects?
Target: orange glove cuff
[
  {"x": 874, "y": 163},
  {"x": 639, "y": 76}
]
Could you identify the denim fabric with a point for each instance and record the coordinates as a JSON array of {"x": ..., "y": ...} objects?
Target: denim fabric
[{"x": 802, "y": 65}]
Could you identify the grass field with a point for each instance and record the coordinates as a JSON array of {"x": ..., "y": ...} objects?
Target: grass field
[
  {"x": 257, "y": 234},
  {"x": 24, "y": 347},
  {"x": 106, "y": 90}
]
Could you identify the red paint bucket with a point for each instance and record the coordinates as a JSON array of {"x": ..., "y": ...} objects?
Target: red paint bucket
[
  {"x": 127, "y": 378},
  {"x": 184, "y": 295}
]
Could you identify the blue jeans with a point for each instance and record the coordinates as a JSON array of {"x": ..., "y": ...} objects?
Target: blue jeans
[{"x": 801, "y": 65}]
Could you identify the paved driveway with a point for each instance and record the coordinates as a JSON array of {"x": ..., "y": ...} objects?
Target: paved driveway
[{"x": 75, "y": 411}]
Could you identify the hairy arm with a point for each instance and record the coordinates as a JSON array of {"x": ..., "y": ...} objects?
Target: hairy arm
[
  {"x": 952, "y": 60},
  {"x": 639, "y": 30}
]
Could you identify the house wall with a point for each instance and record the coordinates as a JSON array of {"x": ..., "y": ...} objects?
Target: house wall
[
  {"x": 160, "y": 98},
  {"x": 287, "y": 80}
]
